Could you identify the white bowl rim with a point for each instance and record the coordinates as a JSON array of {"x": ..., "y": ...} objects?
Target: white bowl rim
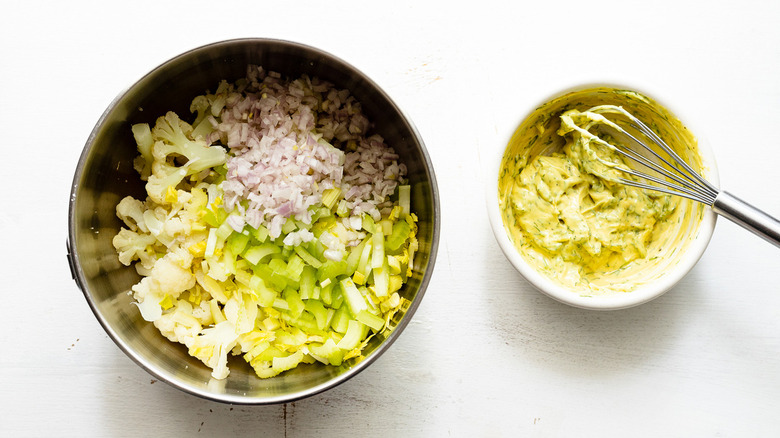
[{"x": 644, "y": 293}]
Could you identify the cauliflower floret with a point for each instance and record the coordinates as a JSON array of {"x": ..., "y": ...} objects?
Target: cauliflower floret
[
  {"x": 131, "y": 212},
  {"x": 134, "y": 246},
  {"x": 144, "y": 140},
  {"x": 166, "y": 226},
  {"x": 181, "y": 256},
  {"x": 179, "y": 325},
  {"x": 167, "y": 278},
  {"x": 155, "y": 222},
  {"x": 174, "y": 226},
  {"x": 162, "y": 177},
  {"x": 203, "y": 313},
  {"x": 213, "y": 345},
  {"x": 202, "y": 125},
  {"x": 173, "y": 137}
]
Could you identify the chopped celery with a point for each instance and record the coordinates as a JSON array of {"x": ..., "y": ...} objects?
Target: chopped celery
[
  {"x": 265, "y": 296},
  {"x": 395, "y": 283},
  {"x": 306, "y": 321},
  {"x": 256, "y": 350},
  {"x": 398, "y": 235},
  {"x": 289, "y": 226},
  {"x": 378, "y": 255},
  {"x": 278, "y": 266},
  {"x": 242, "y": 264},
  {"x": 364, "y": 264},
  {"x": 337, "y": 298},
  {"x": 167, "y": 302},
  {"x": 287, "y": 362},
  {"x": 214, "y": 218},
  {"x": 330, "y": 196},
  {"x": 295, "y": 266},
  {"x": 224, "y": 230},
  {"x": 394, "y": 264},
  {"x": 257, "y": 253},
  {"x": 281, "y": 304},
  {"x": 353, "y": 297},
  {"x": 395, "y": 213},
  {"x": 368, "y": 224},
  {"x": 375, "y": 322},
  {"x": 353, "y": 259},
  {"x": 229, "y": 260},
  {"x": 387, "y": 226},
  {"x": 237, "y": 242},
  {"x": 307, "y": 257},
  {"x": 325, "y": 294},
  {"x": 221, "y": 170},
  {"x": 340, "y": 320},
  {"x": 381, "y": 280},
  {"x": 211, "y": 242},
  {"x": 244, "y": 277},
  {"x": 301, "y": 225},
  {"x": 269, "y": 354},
  {"x": 331, "y": 269},
  {"x": 342, "y": 210},
  {"x": 260, "y": 233},
  {"x": 404, "y": 198},
  {"x": 353, "y": 336},
  {"x": 269, "y": 323},
  {"x": 263, "y": 271},
  {"x": 328, "y": 351},
  {"x": 320, "y": 213},
  {"x": 316, "y": 308},
  {"x": 286, "y": 251},
  {"x": 323, "y": 224},
  {"x": 294, "y": 301},
  {"x": 291, "y": 337},
  {"x": 307, "y": 282}
]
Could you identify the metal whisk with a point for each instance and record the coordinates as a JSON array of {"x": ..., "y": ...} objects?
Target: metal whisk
[{"x": 676, "y": 177}]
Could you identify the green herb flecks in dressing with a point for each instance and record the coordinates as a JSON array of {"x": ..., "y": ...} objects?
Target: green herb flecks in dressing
[{"x": 569, "y": 217}]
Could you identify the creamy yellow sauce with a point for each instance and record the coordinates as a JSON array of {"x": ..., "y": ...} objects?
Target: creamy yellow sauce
[{"x": 564, "y": 210}]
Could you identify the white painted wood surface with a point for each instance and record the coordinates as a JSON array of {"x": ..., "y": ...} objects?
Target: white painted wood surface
[{"x": 485, "y": 355}]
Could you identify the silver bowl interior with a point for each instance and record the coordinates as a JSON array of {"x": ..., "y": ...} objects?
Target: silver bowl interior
[{"x": 105, "y": 175}]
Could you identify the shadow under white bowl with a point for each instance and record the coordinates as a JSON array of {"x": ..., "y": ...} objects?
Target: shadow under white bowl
[{"x": 617, "y": 300}]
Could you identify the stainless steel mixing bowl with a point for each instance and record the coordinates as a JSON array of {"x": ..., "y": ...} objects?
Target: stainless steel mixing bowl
[{"x": 105, "y": 175}]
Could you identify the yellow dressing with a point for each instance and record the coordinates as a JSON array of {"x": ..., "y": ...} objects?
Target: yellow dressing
[{"x": 566, "y": 214}]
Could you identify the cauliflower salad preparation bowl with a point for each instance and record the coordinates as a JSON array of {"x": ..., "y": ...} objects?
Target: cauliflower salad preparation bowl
[{"x": 254, "y": 221}]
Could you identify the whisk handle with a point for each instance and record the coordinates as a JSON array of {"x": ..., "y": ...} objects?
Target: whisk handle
[{"x": 748, "y": 217}]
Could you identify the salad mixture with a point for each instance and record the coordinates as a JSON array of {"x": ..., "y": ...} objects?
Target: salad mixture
[{"x": 275, "y": 227}]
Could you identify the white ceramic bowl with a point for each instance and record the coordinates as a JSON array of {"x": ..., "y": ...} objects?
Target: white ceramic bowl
[{"x": 678, "y": 261}]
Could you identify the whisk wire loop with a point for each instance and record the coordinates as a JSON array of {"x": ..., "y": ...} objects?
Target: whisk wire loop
[
  {"x": 680, "y": 179},
  {"x": 689, "y": 172}
]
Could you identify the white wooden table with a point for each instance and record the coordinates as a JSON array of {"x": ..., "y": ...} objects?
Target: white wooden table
[{"x": 485, "y": 355}]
